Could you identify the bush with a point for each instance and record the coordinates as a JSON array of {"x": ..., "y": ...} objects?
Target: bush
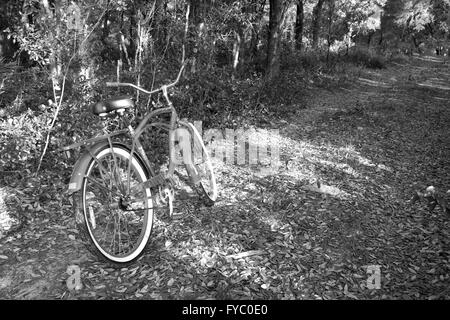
[
  {"x": 21, "y": 139},
  {"x": 316, "y": 61},
  {"x": 312, "y": 61},
  {"x": 399, "y": 58},
  {"x": 293, "y": 61},
  {"x": 214, "y": 97},
  {"x": 27, "y": 111},
  {"x": 366, "y": 58}
]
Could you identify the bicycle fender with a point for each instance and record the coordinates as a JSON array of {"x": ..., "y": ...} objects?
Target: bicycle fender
[{"x": 81, "y": 166}]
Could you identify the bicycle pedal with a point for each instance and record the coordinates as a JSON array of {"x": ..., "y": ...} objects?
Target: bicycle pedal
[{"x": 177, "y": 215}]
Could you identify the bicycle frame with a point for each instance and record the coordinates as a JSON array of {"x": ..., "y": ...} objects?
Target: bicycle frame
[{"x": 155, "y": 180}]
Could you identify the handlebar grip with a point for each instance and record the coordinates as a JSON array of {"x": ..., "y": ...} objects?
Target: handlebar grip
[{"x": 112, "y": 84}]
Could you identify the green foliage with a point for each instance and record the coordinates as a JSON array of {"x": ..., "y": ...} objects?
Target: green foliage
[
  {"x": 415, "y": 15},
  {"x": 227, "y": 45},
  {"x": 27, "y": 111},
  {"x": 423, "y": 23},
  {"x": 366, "y": 58},
  {"x": 217, "y": 99},
  {"x": 21, "y": 138},
  {"x": 312, "y": 63},
  {"x": 6, "y": 72},
  {"x": 23, "y": 89},
  {"x": 359, "y": 17}
]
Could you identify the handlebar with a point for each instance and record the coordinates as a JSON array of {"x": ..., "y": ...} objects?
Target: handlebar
[{"x": 162, "y": 88}]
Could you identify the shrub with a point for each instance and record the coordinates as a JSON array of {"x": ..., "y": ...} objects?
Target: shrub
[
  {"x": 399, "y": 58},
  {"x": 366, "y": 57},
  {"x": 21, "y": 139}
]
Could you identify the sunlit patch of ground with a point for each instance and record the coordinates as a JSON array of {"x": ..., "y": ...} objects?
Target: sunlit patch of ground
[
  {"x": 7, "y": 219},
  {"x": 334, "y": 203},
  {"x": 374, "y": 83},
  {"x": 436, "y": 84}
]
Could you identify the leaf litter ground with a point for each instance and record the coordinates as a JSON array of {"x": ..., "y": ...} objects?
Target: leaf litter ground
[{"x": 351, "y": 159}]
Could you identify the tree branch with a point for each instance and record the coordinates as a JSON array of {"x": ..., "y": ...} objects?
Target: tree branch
[{"x": 58, "y": 108}]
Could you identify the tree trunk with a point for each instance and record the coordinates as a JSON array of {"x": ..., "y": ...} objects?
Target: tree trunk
[
  {"x": 158, "y": 30},
  {"x": 330, "y": 24},
  {"x": 276, "y": 15},
  {"x": 194, "y": 21},
  {"x": 7, "y": 47},
  {"x": 299, "y": 25},
  {"x": 105, "y": 31},
  {"x": 132, "y": 43},
  {"x": 198, "y": 12},
  {"x": 160, "y": 8},
  {"x": 55, "y": 61},
  {"x": 369, "y": 38},
  {"x": 195, "y": 13},
  {"x": 258, "y": 11},
  {"x": 317, "y": 14}
]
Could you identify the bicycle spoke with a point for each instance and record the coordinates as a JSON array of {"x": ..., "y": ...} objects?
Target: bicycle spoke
[
  {"x": 128, "y": 232},
  {"x": 114, "y": 235},
  {"x": 119, "y": 175},
  {"x": 106, "y": 230},
  {"x": 102, "y": 170},
  {"x": 116, "y": 205},
  {"x": 118, "y": 197},
  {"x": 101, "y": 186},
  {"x": 119, "y": 231},
  {"x": 113, "y": 181}
]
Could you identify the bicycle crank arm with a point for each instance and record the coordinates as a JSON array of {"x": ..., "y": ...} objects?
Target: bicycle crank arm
[
  {"x": 130, "y": 207},
  {"x": 157, "y": 181}
]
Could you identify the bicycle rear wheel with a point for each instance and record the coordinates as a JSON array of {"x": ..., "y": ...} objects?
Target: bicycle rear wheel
[
  {"x": 113, "y": 213},
  {"x": 201, "y": 169}
]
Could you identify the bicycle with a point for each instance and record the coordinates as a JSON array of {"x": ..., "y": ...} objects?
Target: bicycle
[{"x": 115, "y": 188}]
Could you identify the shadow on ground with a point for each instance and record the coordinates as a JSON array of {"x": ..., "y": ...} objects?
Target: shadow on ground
[{"x": 337, "y": 204}]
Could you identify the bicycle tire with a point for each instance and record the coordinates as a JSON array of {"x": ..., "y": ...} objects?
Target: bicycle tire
[
  {"x": 87, "y": 220},
  {"x": 206, "y": 190}
]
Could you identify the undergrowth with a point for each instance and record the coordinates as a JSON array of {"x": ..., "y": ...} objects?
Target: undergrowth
[{"x": 212, "y": 96}]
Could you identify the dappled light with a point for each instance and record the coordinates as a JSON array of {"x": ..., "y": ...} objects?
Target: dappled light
[
  {"x": 228, "y": 150},
  {"x": 436, "y": 85},
  {"x": 374, "y": 83}
]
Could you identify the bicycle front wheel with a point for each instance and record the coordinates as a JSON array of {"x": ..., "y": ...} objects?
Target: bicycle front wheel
[
  {"x": 114, "y": 213},
  {"x": 201, "y": 169}
]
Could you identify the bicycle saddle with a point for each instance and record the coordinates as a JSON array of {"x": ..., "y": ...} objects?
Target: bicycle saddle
[{"x": 104, "y": 107}]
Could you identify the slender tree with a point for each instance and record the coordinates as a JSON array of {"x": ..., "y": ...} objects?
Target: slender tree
[
  {"x": 299, "y": 24},
  {"x": 195, "y": 13},
  {"x": 331, "y": 5},
  {"x": 317, "y": 15},
  {"x": 276, "y": 16}
]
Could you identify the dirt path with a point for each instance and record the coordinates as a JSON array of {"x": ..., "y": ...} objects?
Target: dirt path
[{"x": 370, "y": 143}]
